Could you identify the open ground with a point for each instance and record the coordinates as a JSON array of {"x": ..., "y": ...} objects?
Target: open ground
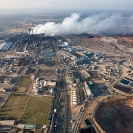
[
  {"x": 37, "y": 111},
  {"x": 13, "y": 107},
  {"x": 23, "y": 84}
]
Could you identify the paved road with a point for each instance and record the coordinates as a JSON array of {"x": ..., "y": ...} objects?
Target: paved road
[
  {"x": 62, "y": 104},
  {"x": 58, "y": 96},
  {"x": 68, "y": 115},
  {"x": 62, "y": 113},
  {"x": 63, "y": 116}
]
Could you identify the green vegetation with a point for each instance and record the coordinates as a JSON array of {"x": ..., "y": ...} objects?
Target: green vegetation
[
  {"x": 23, "y": 84},
  {"x": 38, "y": 110},
  {"x": 38, "y": 130},
  {"x": 90, "y": 83},
  {"x": 13, "y": 107}
]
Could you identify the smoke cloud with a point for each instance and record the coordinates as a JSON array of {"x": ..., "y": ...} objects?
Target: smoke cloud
[{"x": 101, "y": 23}]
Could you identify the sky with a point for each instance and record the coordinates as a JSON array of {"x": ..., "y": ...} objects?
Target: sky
[{"x": 67, "y": 4}]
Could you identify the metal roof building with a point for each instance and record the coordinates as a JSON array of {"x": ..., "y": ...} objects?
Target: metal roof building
[
  {"x": 12, "y": 56},
  {"x": 7, "y": 122},
  {"x": 74, "y": 97},
  {"x": 88, "y": 91},
  {"x": 2, "y": 45},
  {"x": 52, "y": 84},
  {"x": 5, "y": 46},
  {"x": 29, "y": 126}
]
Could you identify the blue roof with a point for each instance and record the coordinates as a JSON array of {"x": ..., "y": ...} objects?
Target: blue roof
[{"x": 29, "y": 126}]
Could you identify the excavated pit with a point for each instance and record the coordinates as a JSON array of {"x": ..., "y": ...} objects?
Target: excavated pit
[{"x": 116, "y": 115}]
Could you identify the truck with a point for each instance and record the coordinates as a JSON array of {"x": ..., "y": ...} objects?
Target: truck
[{"x": 55, "y": 110}]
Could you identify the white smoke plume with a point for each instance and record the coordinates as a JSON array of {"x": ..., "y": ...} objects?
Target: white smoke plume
[{"x": 100, "y": 23}]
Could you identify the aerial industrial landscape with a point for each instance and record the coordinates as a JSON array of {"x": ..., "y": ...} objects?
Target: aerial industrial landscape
[{"x": 63, "y": 83}]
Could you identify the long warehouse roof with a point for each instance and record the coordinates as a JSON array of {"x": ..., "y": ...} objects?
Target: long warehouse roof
[
  {"x": 2, "y": 45},
  {"x": 5, "y": 46}
]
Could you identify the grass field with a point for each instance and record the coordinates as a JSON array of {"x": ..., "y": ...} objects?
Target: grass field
[
  {"x": 23, "y": 84},
  {"x": 38, "y": 130},
  {"x": 13, "y": 107},
  {"x": 38, "y": 110}
]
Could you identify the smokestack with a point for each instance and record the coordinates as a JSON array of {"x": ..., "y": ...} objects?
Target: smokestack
[
  {"x": 32, "y": 31},
  {"x": 29, "y": 31}
]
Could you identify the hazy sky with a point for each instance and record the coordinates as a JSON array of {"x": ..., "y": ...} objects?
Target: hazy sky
[{"x": 67, "y": 4}]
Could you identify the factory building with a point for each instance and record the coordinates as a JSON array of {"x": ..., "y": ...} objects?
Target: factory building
[
  {"x": 38, "y": 86},
  {"x": 79, "y": 54},
  {"x": 7, "y": 122},
  {"x": 64, "y": 44},
  {"x": 12, "y": 57},
  {"x": 67, "y": 55},
  {"x": 5, "y": 46},
  {"x": 51, "y": 84},
  {"x": 74, "y": 98},
  {"x": 87, "y": 90},
  {"x": 84, "y": 73}
]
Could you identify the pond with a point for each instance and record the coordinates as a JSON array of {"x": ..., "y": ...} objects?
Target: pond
[
  {"x": 124, "y": 81},
  {"x": 122, "y": 88},
  {"x": 87, "y": 121}
]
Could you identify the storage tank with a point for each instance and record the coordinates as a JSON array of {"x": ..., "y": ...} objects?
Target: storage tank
[{"x": 52, "y": 90}]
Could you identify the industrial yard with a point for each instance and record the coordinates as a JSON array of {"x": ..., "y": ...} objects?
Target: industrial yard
[
  {"x": 58, "y": 77},
  {"x": 75, "y": 83}
]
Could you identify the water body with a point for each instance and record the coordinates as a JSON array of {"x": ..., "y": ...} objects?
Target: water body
[
  {"x": 88, "y": 123},
  {"x": 122, "y": 88},
  {"x": 124, "y": 81}
]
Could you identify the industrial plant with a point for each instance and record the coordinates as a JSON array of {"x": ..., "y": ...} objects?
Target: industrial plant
[{"x": 61, "y": 80}]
